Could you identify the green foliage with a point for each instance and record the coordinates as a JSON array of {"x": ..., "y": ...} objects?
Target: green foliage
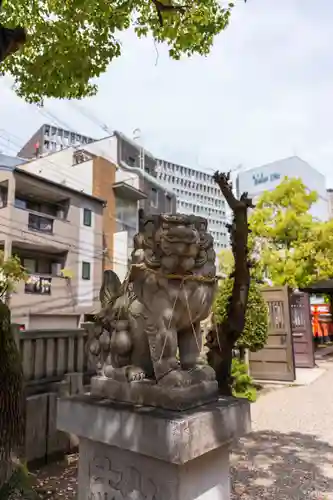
[
  {"x": 19, "y": 486},
  {"x": 226, "y": 262},
  {"x": 242, "y": 383},
  {"x": 293, "y": 248},
  {"x": 11, "y": 272},
  {"x": 72, "y": 42},
  {"x": 282, "y": 215},
  {"x": 255, "y": 333}
]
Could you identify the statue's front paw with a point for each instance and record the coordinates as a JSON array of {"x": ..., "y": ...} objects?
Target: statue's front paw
[
  {"x": 176, "y": 378},
  {"x": 202, "y": 373},
  {"x": 135, "y": 374}
]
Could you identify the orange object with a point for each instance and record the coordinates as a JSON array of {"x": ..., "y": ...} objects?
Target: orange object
[{"x": 322, "y": 326}]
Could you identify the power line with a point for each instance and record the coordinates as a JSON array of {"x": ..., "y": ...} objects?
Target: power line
[
  {"x": 68, "y": 223},
  {"x": 90, "y": 116},
  {"x": 72, "y": 250}
]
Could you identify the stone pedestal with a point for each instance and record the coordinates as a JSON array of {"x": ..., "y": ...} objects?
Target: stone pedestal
[{"x": 145, "y": 453}]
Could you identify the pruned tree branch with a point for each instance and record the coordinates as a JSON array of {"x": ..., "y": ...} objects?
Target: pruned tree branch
[
  {"x": 223, "y": 180},
  {"x": 222, "y": 337}
]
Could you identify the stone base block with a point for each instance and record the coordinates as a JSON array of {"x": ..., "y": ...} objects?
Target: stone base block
[
  {"x": 108, "y": 473},
  {"x": 147, "y": 393},
  {"x": 129, "y": 453}
]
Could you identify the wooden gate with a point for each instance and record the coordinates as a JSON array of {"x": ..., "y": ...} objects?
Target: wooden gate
[
  {"x": 302, "y": 330},
  {"x": 276, "y": 360}
]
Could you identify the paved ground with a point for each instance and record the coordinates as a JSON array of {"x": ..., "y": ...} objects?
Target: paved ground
[{"x": 289, "y": 455}]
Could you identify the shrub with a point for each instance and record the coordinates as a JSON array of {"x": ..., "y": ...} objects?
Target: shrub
[
  {"x": 242, "y": 383},
  {"x": 254, "y": 336}
]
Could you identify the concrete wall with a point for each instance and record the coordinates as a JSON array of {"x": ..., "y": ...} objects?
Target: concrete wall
[
  {"x": 59, "y": 167},
  {"x": 120, "y": 264}
]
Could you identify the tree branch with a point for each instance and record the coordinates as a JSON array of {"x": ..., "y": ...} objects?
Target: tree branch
[
  {"x": 11, "y": 40},
  {"x": 161, "y": 7},
  {"x": 223, "y": 337},
  {"x": 224, "y": 182}
]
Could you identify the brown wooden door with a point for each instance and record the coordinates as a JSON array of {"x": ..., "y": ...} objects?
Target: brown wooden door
[
  {"x": 276, "y": 360},
  {"x": 302, "y": 330}
]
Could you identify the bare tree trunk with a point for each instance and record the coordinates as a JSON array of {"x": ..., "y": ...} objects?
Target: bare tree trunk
[
  {"x": 242, "y": 353},
  {"x": 11, "y": 396},
  {"x": 222, "y": 337}
]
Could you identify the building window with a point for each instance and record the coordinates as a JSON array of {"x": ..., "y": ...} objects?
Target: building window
[
  {"x": 87, "y": 217},
  {"x": 168, "y": 205},
  {"x": 30, "y": 265},
  {"x": 86, "y": 270},
  {"x": 154, "y": 198},
  {"x": 3, "y": 196},
  {"x": 42, "y": 224}
]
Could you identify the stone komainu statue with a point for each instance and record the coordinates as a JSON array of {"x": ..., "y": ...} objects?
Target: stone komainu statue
[{"x": 149, "y": 326}]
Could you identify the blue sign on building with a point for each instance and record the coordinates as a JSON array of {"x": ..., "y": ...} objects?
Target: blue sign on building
[{"x": 262, "y": 179}]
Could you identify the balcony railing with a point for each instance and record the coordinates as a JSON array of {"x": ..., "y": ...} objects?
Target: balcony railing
[
  {"x": 38, "y": 285},
  {"x": 40, "y": 223}
]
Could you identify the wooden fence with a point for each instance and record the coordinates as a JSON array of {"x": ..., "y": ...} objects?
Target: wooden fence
[
  {"x": 55, "y": 363},
  {"x": 48, "y": 355}
]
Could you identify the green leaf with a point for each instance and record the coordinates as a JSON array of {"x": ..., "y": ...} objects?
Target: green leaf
[
  {"x": 293, "y": 249},
  {"x": 255, "y": 333},
  {"x": 11, "y": 272},
  {"x": 70, "y": 43}
]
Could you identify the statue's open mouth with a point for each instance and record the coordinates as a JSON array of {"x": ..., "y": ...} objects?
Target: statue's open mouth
[{"x": 176, "y": 239}]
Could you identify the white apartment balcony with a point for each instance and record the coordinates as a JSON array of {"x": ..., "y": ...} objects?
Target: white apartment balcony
[
  {"x": 43, "y": 294},
  {"x": 39, "y": 216}
]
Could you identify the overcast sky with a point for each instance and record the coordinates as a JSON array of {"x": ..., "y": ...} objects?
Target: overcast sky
[{"x": 264, "y": 93}]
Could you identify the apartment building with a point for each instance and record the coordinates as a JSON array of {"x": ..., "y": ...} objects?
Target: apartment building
[
  {"x": 57, "y": 232},
  {"x": 134, "y": 158},
  {"x": 93, "y": 170},
  {"x": 198, "y": 194},
  {"x": 119, "y": 149},
  {"x": 49, "y": 139}
]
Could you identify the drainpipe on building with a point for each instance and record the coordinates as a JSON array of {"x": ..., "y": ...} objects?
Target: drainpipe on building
[{"x": 7, "y": 255}]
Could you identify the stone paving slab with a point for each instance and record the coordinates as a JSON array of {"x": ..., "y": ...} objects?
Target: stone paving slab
[{"x": 289, "y": 454}]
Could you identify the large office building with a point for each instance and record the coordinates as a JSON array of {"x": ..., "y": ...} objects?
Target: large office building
[
  {"x": 198, "y": 194},
  {"x": 330, "y": 203},
  {"x": 49, "y": 139},
  {"x": 267, "y": 177}
]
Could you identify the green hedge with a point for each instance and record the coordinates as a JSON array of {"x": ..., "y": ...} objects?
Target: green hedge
[
  {"x": 255, "y": 332},
  {"x": 242, "y": 383}
]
